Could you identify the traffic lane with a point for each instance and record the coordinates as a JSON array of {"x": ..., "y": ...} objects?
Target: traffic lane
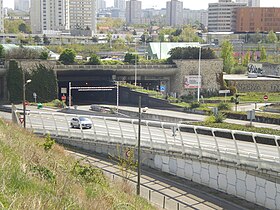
[{"x": 156, "y": 137}]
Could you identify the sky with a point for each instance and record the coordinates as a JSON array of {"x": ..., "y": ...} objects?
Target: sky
[{"x": 191, "y": 4}]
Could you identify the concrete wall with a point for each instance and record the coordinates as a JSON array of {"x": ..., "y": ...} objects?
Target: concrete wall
[
  {"x": 271, "y": 85},
  {"x": 255, "y": 186},
  {"x": 210, "y": 70}
]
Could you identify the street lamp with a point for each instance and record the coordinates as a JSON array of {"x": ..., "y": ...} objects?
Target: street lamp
[
  {"x": 135, "y": 65},
  {"x": 199, "y": 76},
  {"x": 139, "y": 145},
  {"x": 24, "y": 105}
]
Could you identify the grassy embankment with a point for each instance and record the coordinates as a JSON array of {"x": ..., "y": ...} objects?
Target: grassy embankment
[{"x": 36, "y": 173}]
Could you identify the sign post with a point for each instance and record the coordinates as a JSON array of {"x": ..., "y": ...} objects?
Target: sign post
[
  {"x": 265, "y": 98},
  {"x": 224, "y": 92},
  {"x": 251, "y": 116},
  {"x": 35, "y": 97}
]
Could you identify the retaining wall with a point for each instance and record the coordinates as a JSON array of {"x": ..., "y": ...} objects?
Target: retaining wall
[{"x": 256, "y": 186}]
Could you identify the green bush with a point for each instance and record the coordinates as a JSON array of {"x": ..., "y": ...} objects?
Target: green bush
[
  {"x": 112, "y": 62},
  {"x": 224, "y": 106},
  {"x": 194, "y": 105},
  {"x": 58, "y": 103},
  {"x": 218, "y": 118}
]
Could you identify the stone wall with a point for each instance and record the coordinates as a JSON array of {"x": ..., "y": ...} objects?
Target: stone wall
[
  {"x": 271, "y": 85},
  {"x": 271, "y": 69},
  {"x": 210, "y": 71},
  {"x": 28, "y": 65},
  {"x": 253, "y": 185}
]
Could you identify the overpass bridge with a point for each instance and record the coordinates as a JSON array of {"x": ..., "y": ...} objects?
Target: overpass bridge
[{"x": 243, "y": 164}]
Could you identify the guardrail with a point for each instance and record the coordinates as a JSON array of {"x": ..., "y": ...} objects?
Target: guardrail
[
  {"x": 140, "y": 66},
  {"x": 242, "y": 148}
]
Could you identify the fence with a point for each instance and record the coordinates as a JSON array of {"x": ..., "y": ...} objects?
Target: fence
[{"x": 257, "y": 150}]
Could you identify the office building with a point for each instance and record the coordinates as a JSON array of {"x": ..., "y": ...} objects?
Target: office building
[
  {"x": 119, "y": 4},
  {"x": 21, "y": 5},
  {"x": 222, "y": 15},
  {"x": 133, "y": 12},
  {"x": 100, "y": 5},
  {"x": 174, "y": 13},
  {"x": 48, "y": 15},
  {"x": 263, "y": 19},
  {"x": 82, "y": 17}
]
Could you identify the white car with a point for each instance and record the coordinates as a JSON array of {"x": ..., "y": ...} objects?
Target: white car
[{"x": 77, "y": 122}]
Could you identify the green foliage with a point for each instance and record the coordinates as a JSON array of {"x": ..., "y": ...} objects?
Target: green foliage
[
  {"x": 224, "y": 106},
  {"x": 15, "y": 82},
  {"x": 271, "y": 37},
  {"x": 131, "y": 58},
  {"x": 111, "y": 62},
  {"x": 246, "y": 59},
  {"x": 194, "y": 105},
  {"x": 94, "y": 60},
  {"x": 14, "y": 26},
  {"x": 2, "y": 51},
  {"x": 37, "y": 39},
  {"x": 227, "y": 55},
  {"x": 44, "y": 55},
  {"x": 57, "y": 103},
  {"x": 44, "y": 83},
  {"x": 24, "y": 28},
  {"x": 263, "y": 54},
  {"x": 43, "y": 173},
  {"x": 49, "y": 142},
  {"x": 67, "y": 56},
  {"x": 239, "y": 69},
  {"x": 22, "y": 53},
  {"x": 191, "y": 53},
  {"x": 88, "y": 173},
  {"x": 218, "y": 118},
  {"x": 46, "y": 40}
]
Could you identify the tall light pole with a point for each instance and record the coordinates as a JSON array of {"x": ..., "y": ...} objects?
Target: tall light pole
[
  {"x": 199, "y": 76},
  {"x": 135, "y": 65},
  {"x": 23, "y": 103}
]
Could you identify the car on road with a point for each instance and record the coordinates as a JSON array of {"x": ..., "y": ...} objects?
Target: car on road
[{"x": 80, "y": 122}]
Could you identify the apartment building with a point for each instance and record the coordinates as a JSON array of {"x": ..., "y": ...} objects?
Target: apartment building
[
  {"x": 263, "y": 19},
  {"x": 48, "y": 15},
  {"x": 174, "y": 13},
  {"x": 193, "y": 16},
  {"x": 133, "y": 12},
  {"x": 250, "y": 3},
  {"x": 119, "y": 4},
  {"x": 21, "y": 5},
  {"x": 82, "y": 17},
  {"x": 222, "y": 15}
]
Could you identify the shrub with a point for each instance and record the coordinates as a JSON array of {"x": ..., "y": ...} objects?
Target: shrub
[
  {"x": 94, "y": 60},
  {"x": 112, "y": 62},
  {"x": 58, "y": 103},
  {"x": 195, "y": 105},
  {"x": 224, "y": 106},
  {"x": 220, "y": 117}
]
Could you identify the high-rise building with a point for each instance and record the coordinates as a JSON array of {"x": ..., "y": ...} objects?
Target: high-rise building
[
  {"x": 252, "y": 19},
  {"x": 174, "y": 13},
  {"x": 1, "y": 17},
  {"x": 250, "y": 3},
  {"x": 133, "y": 12},
  {"x": 82, "y": 15},
  {"x": 222, "y": 15},
  {"x": 21, "y": 5},
  {"x": 100, "y": 5},
  {"x": 120, "y": 4},
  {"x": 48, "y": 15},
  {"x": 193, "y": 16}
]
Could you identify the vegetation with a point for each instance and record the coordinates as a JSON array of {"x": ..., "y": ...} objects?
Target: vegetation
[
  {"x": 67, "y": 56},
  {"x": 191, "y": 53},
  {"x": 131, "y": 58},
  {"x": 15, "y": 26},
  {"x": 14, "y": 82},
  {"x": 94, "y": 60},
  {"x": 38, "y": 173},
  {"x": 227, "y": 55}
]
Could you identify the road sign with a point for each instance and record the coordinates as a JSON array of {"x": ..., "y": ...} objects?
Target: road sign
[
  {"x": 34, "y": 95},
  {"x": 63, "y": 98},
  {"x": 162, "y": 88},
  {"x": 21, "y": 119},
  {"x": 224, "y": 91},
  {"x": 265, "y": 97},
  {"x": 63, "y": 90}
]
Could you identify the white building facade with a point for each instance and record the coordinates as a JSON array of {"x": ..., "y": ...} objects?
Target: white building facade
[
  {"x": 133, "y": 12},
  {"x": 193, "y": 16},
  {"x": 250, "y": 3},
  {"x": 1, "y": 17},
  {"x": 21, "y": 5},
  {"x": 222, "y": 15},
  {"x": 174, "y": 13}
]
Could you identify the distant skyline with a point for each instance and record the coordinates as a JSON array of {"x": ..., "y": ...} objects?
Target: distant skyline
[{"x": 199, "y": 4}]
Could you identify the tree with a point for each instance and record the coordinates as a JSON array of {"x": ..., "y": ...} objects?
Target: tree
[
  {"x": 94, "y": 60},
  {"x": 23, "y": 28},
  {"x": 67, "y": 56},
  {"x": 109, "y": 39},
  {"x": 263, "y": 54},
  {"x": 46, "y": 40},
  {"x": 130, "y": 58},
  {"x": 2, "y": 51},
  {"x": 14, "y": 82},
  {"x": 246, "y": 59},
  {"x": 37, "y": 39},
  {"x": 191, "y": 53},
  {"x": 271, "y": 37},
  {"x": 44, "y": 55},
  {"x": 227, "y": 55}
]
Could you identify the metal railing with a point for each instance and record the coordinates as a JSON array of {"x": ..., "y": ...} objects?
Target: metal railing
[{"x": 238, "y": 147}]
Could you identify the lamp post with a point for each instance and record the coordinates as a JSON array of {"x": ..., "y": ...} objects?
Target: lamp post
[
  {"x": 24, "y": 105},
  {"x": 139, "y": 144},
  {"x": 135, "y": 65},
  {"x": 199, "y": 76}
]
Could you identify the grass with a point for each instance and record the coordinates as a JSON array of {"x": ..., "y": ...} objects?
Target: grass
[{"x": 37, "y": 174}]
